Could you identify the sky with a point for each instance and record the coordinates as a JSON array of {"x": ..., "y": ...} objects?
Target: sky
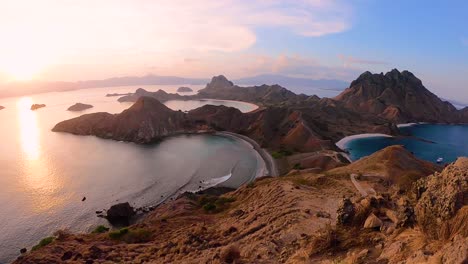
[{"x": 71, "y": 40}]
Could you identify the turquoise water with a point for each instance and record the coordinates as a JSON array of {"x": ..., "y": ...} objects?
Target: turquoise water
[{"x": 449, "y": 142}]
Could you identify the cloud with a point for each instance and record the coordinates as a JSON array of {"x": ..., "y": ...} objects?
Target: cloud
[
  {"x": 350, "y": 61},
  {"x": 122, "y": 34}
]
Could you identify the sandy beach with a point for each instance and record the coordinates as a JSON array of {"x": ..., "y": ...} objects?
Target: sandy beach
[
  {"x": 344, "y": 141},
  {"x": 267, "y": 165}
]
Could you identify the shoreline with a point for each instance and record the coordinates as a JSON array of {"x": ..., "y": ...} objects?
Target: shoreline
[
  {"x": 233, "y": 101},
  {"x": 269, "y": 167},
  {"x": 342, "y": 143}
]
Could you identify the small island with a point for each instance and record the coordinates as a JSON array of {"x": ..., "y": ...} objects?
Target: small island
[
  {"x": 2, "y": 107},
  {"x": 184, "y": 89},
  {"x": 117, "y": 94},
  {"x": 37, "y": 106},
  {"x": 79, "y": 107}
]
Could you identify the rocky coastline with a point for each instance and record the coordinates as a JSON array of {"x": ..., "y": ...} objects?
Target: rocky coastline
[{"x": 379, "y": 209}]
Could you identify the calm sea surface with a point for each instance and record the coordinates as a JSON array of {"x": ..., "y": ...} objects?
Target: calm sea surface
[
  {"x": 44, "y": 175},
  {"x": 449, "y": 142}
]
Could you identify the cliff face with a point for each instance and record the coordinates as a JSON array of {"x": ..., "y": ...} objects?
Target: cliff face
[
  {"x": 146, "y": 121},
  {"x": 399, "y": 97}
]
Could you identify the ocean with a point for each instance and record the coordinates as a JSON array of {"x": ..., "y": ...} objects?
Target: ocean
[
  {"x": 44, "y": 175},
  {"x": 438, "y": 141}
]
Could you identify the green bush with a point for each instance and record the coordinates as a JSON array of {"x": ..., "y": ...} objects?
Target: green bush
[
  {"x": 209, "y": 207},
  {"x": 100, "y": 229},
  {"x": 44, "y": 242},
  {"x": 281, "y": 153},
  {"x": 297, "y": 166},
  {"x": 117, "y": 234},
  {"x": 137, "y": 235}
]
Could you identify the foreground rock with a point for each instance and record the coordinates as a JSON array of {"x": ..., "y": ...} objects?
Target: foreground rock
[
  {"x": 287, "y": 220},
  {"x": 79, "y": 107},
  {"x": 120, "y": 214},
  {"x": 37, "y": 106},
  {"x": 184, "y": 89},
  {"x": 441, "y": 196}
]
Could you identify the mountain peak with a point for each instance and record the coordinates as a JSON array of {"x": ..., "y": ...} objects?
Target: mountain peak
[
  {"x": 398, "y": 97},
  {"x": 219, "y": 82},
  {"x": 146, "y": 103}
]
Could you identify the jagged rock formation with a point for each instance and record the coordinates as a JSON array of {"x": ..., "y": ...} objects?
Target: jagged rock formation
[
  {"x": 146, "y": 121},
  {"x": 184, "y": 89},
  {"x": 441, "y": 196},
  {"x": 37, "y": 106},
  {"x": 79, "y": 107},
  {"x": 399, "y": 97}
]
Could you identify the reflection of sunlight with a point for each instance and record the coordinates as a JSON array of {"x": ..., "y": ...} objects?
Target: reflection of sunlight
[
  {"x": 29, "y": 131},
  {"x": 39, "y": 182}
]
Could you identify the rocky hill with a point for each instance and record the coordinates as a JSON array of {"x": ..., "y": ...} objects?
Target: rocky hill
[
  {"x": 399, "y": 97},
  {"x": 300, "y": 218},
  {"x": 146, "y": 121},
  {"x": 160, "y": 95},
  {"x": 221, "y": 88}
]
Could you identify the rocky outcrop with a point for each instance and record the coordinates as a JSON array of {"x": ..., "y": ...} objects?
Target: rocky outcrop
[
  {"x": 184, "y": 89},
  {"x": 146, "y": 121},
  {"x": 441, "y": 196},
  {"x": 399, "y": 97},
  {"x": 79, "y": 107},
  {"x": 37, "y": 106},
  {"x": 120, "y": 214}
]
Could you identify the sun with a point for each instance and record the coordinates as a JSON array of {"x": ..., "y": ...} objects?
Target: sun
[{"x": 22, "y": 66}]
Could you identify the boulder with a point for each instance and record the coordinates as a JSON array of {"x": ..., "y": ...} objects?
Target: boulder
[
  {"x": 373, "y": 221},
  {"x": 120, "y": 214},
  {"x": 345, "y": 212}
]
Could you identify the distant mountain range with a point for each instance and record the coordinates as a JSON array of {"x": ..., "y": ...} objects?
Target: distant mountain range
[
  {"x": 24, "y": 88},
  {"x": 293, "y": 82}
]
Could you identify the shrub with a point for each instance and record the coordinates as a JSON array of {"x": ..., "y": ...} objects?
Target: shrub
[
  {"x": 209, "y": 207},
  {"x": 44, "y": 242},
  {"x": 117, "y": 234},
  {"x": 297, "y": 166},
  {"x": 100, "y": 229},
  {"x": 281, "y": 153},
  {"x": 137, "y": 235}
]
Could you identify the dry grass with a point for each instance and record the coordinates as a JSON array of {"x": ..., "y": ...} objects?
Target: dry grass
[{"x": 333, "y": 239}]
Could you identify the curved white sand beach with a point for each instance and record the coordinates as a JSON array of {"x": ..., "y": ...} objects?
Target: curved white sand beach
[{"x": 344, "y": 141}]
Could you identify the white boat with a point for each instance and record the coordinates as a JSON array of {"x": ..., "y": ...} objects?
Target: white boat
[{"x": 439, "y": 160}]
